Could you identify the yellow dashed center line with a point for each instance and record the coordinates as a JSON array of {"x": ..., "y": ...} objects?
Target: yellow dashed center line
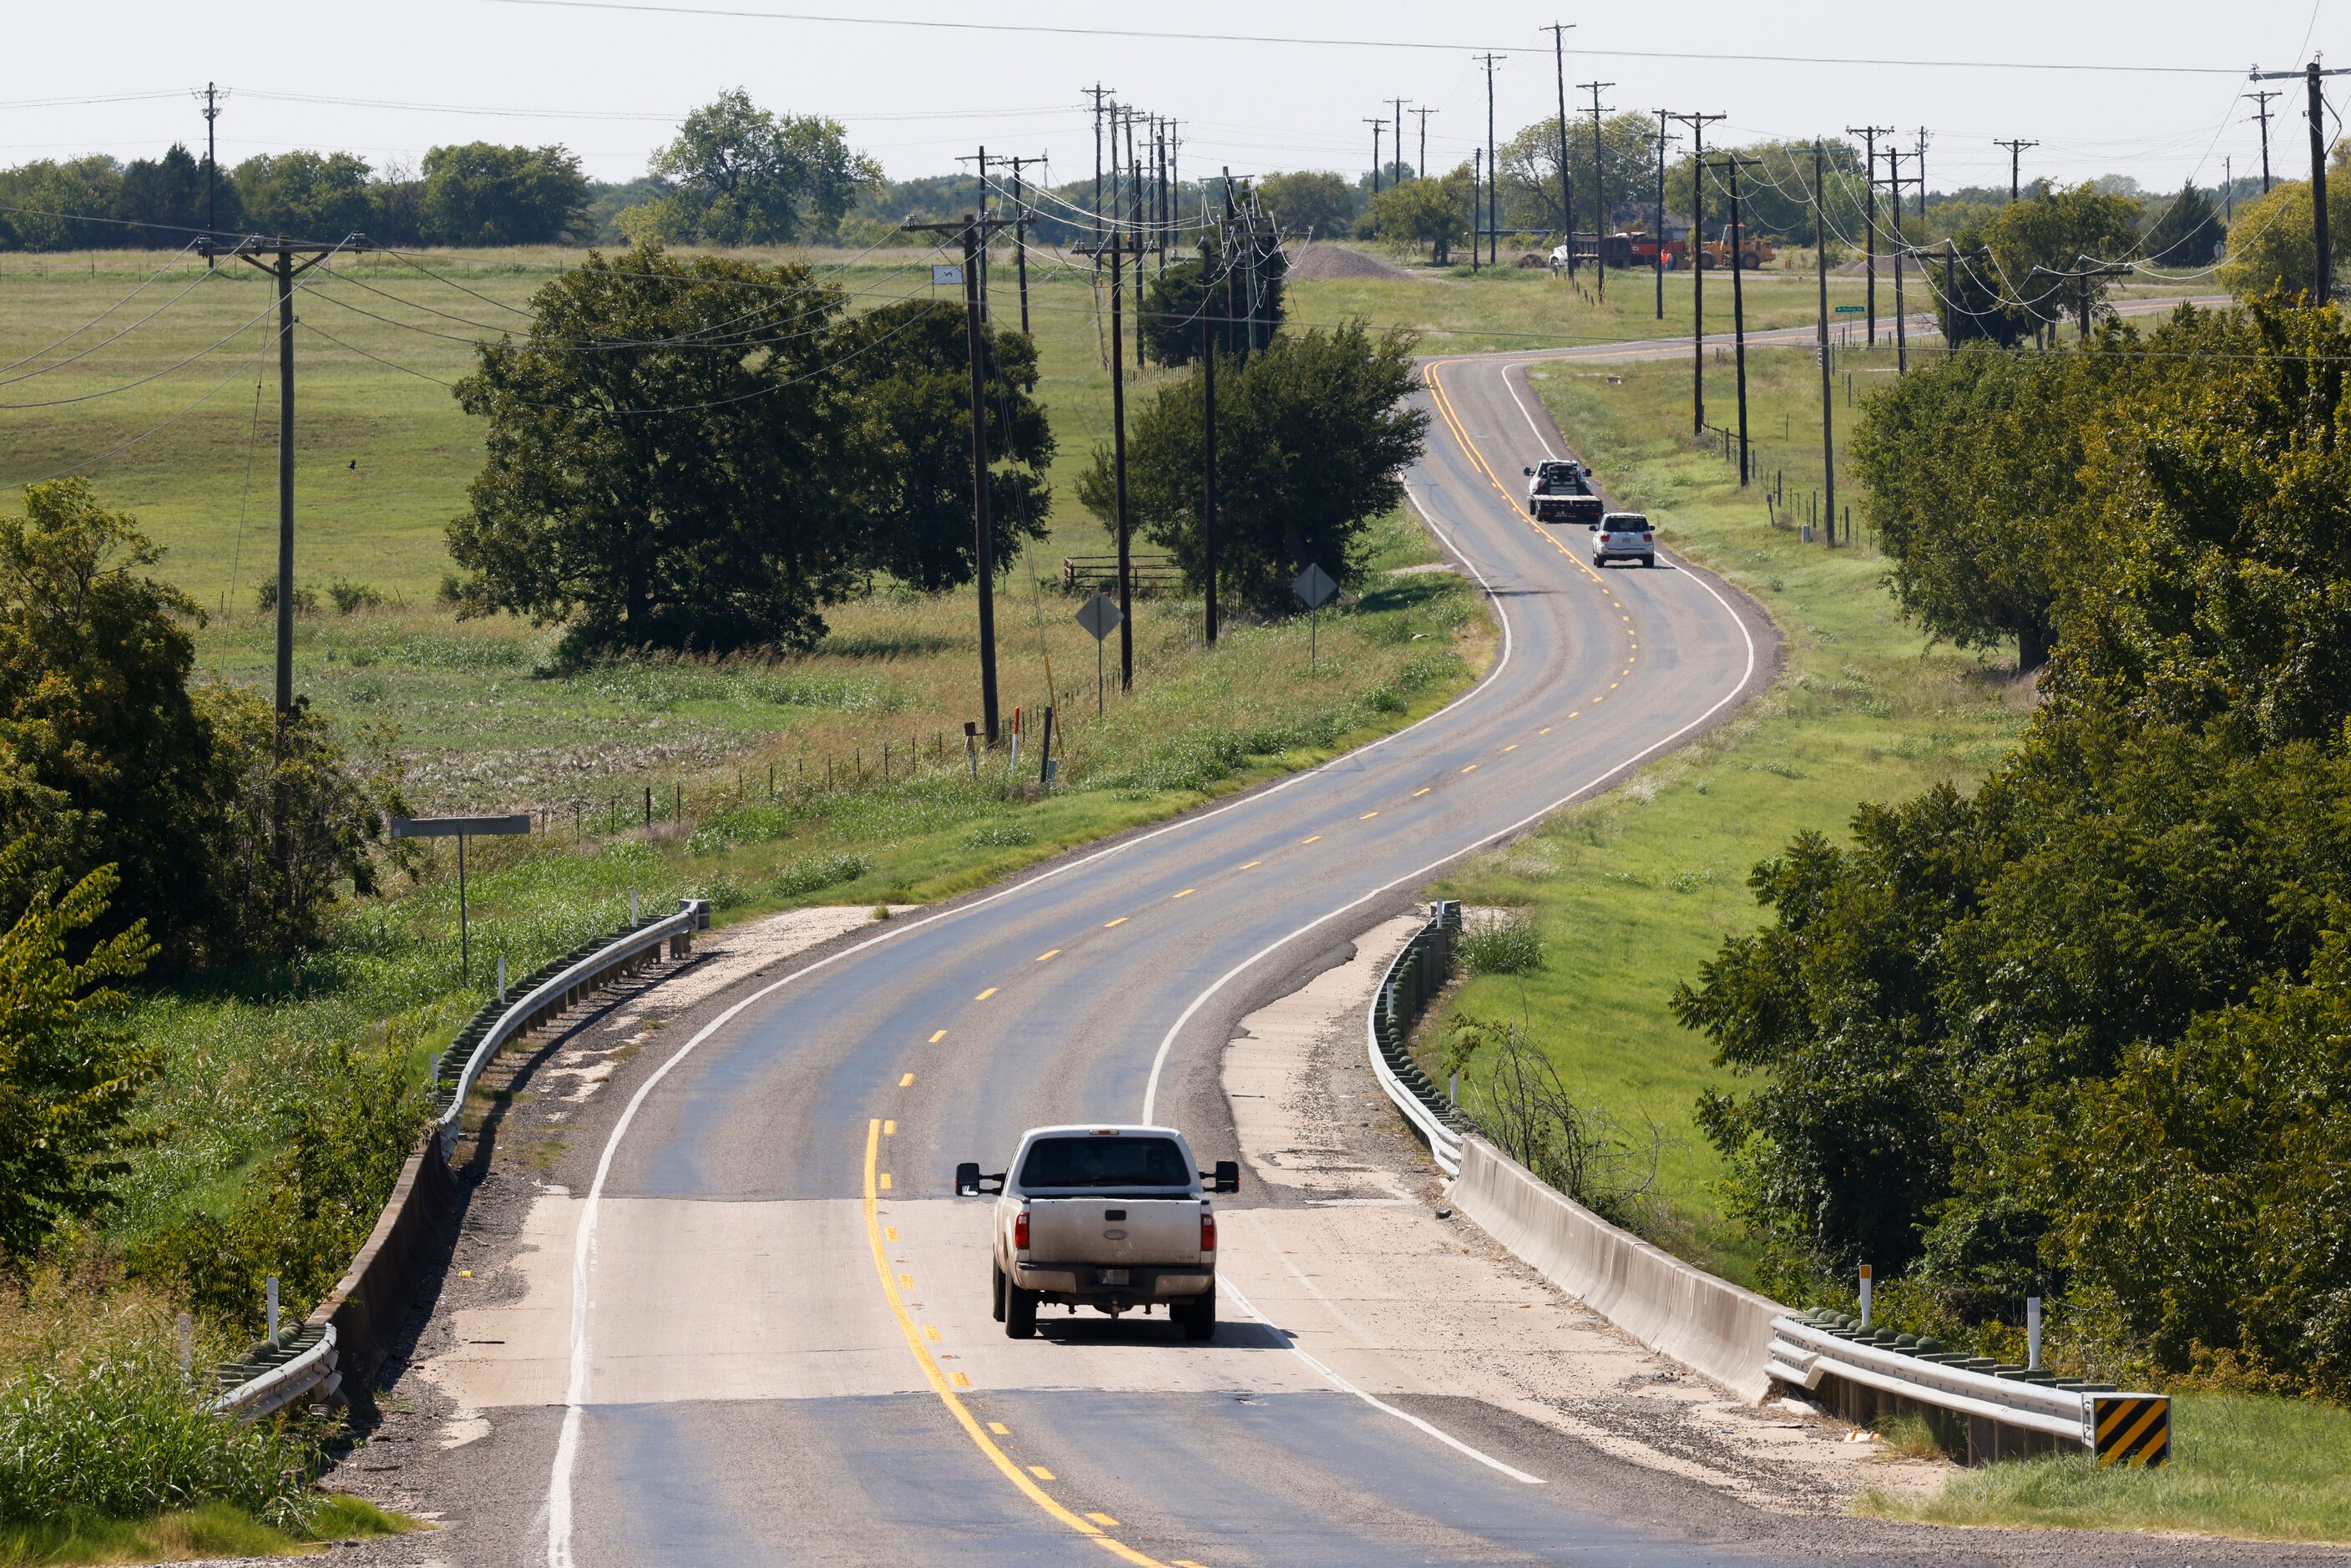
[
  {"x": 885, "y": 1181},
  {"x": 1367, "y": 816},
  {"x": 1103, "y": 1520},
  {"x": 892, "y": 1233},
  {"x": 907, "y": 1081},
  {"x": 1471, "y": 769},
  {"x": 1188, "y": 892},
  {"x": 945, "y": 1385},
  {"x": 1422, "y": 791},
  {"x": 1512, "y": 746},
  {"x": 937, "y": 1035},
  {"x": 1310, "y": 840},
  {"x": 985, "y": 995},
  {"x": 889, "y": 1129},
  {"x": 1000, "y": 1429},
  {"x": 930, "y": 1331},
  {"x": 1249, "y": 865},
  {"x": 1048, "y": 953},
  {"x": 1544, "y": 730},
  {"x": 1120, "y": 921}
]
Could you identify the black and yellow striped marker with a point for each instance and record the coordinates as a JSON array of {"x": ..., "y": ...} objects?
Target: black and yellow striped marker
[{"x": 2131, "y": 1428}]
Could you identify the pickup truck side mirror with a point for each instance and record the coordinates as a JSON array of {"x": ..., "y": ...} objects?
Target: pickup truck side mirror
[
  {"x": 1226, "y": 1177},
  {"x": 1593, "y": 525},
  {"x": 969, "y": 1183},
  {"x": 1528, "y": 471}
]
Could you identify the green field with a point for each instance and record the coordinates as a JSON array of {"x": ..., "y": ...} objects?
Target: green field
[{"x": 1633, "y": 891}]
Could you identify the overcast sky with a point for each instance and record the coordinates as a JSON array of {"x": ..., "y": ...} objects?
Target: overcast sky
[{"x": 388, "y": 81}]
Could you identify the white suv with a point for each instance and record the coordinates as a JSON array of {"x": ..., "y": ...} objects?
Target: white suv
[{"x": 1624, "y": 535}]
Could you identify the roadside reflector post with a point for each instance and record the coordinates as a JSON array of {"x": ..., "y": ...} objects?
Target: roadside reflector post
[
  {"x": 269, "y": 1290},
  {"x": 971, "y": 746},
  {"x": 1865, "y": 1295},
  {"x": 1045, "y": 750},
  {"x": 501, "y": 979},
  {"x": 2032, "y": 1333},
  {"x": 186, "y": 1332},
  {"x": 632, "y": 906}
]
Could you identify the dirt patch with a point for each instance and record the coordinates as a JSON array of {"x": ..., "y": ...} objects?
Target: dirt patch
[{"x": 1328, "y": 260}]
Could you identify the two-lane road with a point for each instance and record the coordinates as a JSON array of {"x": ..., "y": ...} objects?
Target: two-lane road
[{"x": 764, "y": 1321}]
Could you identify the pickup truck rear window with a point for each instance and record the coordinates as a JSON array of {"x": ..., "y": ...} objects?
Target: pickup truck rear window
[{"x": 1104, "y": 1162}]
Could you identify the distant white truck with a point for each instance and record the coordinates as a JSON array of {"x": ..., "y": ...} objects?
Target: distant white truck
[{"x": 1116, "y": 1218}]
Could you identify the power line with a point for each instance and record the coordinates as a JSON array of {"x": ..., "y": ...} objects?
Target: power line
[{"x": 1447, "y": 46}]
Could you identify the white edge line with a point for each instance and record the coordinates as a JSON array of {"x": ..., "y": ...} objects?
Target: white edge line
[
  {"x": 558, "y": 1488},
  {"x": 1524, "y": 409},
  {"x": 1225, "y": 1287},
  {"x": 1167, "y": 1043}
]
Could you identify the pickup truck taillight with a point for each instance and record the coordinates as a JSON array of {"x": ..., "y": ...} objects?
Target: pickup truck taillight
[
  {"x": 1207, "y": 1233},
  {"x": 1020, "y": 1232}
]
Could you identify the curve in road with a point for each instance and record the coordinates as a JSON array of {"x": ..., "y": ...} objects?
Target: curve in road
[{"x": 776, "y": 1346}]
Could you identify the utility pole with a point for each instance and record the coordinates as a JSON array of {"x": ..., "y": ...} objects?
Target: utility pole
[
  {"x": 981, "y": 162},
  {"x": 1894, "y": 181},
  {"x": 1698, "y": 124},
  {"x": 1135, "y": 210},
  {"x": 1559, "y": 31},
  {"x": 1099, "y": 94},
  {"x": 1020, "y": 232},
  {"x": 1660, "y": 235},
  {"x": 1423, "y": 114},
  {"x": 1828, "y": 434},
  {"x": 1232, "y": 313},
  {"x": 2323, "y": 279},
  {"x": 212, "y": 168},
  {"x": 1738, "y": 237},
  {"x": 2015, "y": 151},
  {"x": 2083, "y": 273},
  {"x": 1208, "y": 448},
  {"x": 1494, "y": 170},
  {"x": 2227, "y": 191},
  {"x": 1477, "y": 194},
  {"x": 1118, "y": 462},
  {"x": 2262, "y": 113},
  {"x": 1599, "y": 193},
  {"x": 1159, "y": 194},
  {"x": 276, "y": 257},
  {"x": 974, "y": 230},
  {"x": 1399, "y": 103},
  {"x": 1922, "y": 173},
  {"x": 1379, "y": 128},
  {"x": 1869, "y": 135}
]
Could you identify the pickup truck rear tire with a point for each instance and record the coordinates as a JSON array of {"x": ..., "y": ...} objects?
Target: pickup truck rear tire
[
  {"x": 1019, "y": 1311},
  {"x": 995, "y": 1290},
  {"x": 1198, "y": 1316}
]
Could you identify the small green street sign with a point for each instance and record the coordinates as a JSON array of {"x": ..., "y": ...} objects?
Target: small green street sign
[{"x": 1848, "y": 309}]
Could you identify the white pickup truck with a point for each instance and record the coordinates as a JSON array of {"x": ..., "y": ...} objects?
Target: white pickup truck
[{"x": 1109, "y": 1217}]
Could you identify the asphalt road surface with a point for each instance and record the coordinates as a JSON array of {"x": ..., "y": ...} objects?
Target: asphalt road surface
[{"x": 756, "y": 1328}]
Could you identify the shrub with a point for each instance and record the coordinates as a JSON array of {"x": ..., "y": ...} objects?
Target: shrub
[
  {"x": 265, "y": 597},
  {"x": 803, "y": 877},
  {"x": 1508, "y": 945},
  {"x": 125, "y": 1433},
  {"x": 348, "y": 596},
  {"x": 1000, "y": 836}
]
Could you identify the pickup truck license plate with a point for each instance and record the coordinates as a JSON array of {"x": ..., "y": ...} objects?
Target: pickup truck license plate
[{"x": 1113, "y": 1277}]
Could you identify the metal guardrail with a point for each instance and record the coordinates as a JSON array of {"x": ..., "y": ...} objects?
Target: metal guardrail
[
  {"x": 1417, "y": 973},
  {"x": 2000, "y": 1404},
  {"x": 276, "y": 1375},
  {"x": 553, "y": 987}
]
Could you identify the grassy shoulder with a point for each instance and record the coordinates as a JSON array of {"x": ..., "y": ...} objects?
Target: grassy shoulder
[
  {"x": 209, "y": 1532},
  {"x": 2245, "y": 1466},
  {"x": 1633, "y": 891}
]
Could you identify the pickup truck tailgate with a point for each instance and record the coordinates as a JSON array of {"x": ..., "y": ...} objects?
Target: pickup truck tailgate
[{"x": 1114, "y": 1230}]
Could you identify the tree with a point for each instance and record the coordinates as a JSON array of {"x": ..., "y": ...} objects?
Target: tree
[
  {"x": 484, "y": 195},
  {"x": 1311, "y": 202},
  {"x": 1173, "y": 300},
  {"x": 2270, "y": 248},
  {"x": 69, "y": 1072},
  {"x": 1434, "y": 212},
  {"x": 44, "y": 197},
  {"x": 232, "y": 829},
  {"x": 1528, "y": 183},
  {"x": 1313, "y": 438},
  {"x": 2061, "y": 232},
  {"x": 904, "y": 375},
  {"x": 663, "y": 466},
  {"x": 737, "y": 174},
  {"x": 168, "y": 193},
  {"x": 1971, "y": 467},
  {"x": 317, "y": 196},
  {"x": 2189, "y": 233}
]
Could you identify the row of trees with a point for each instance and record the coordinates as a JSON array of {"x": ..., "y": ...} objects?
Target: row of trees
[
  {"x": 2082, "y": 1033},
  {"x": 479, "y": 193}
]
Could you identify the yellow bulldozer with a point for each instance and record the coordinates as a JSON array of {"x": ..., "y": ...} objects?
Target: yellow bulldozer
[{"x": 1716, "y": 253}]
